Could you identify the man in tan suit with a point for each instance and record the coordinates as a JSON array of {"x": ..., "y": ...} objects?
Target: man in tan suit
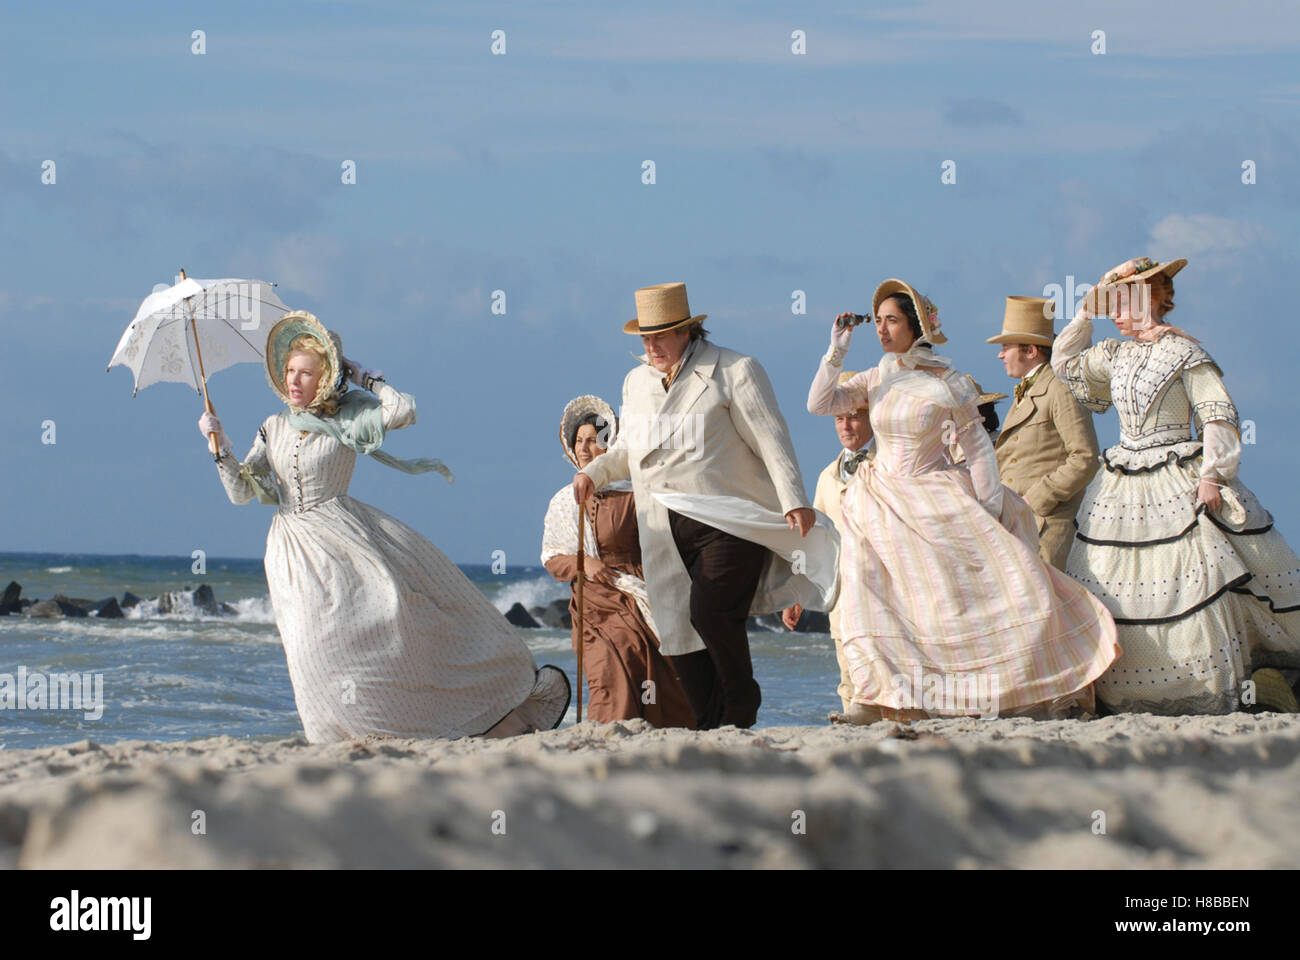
[
  {"x": 1047, "y": 451},
  {"x": 699, "y": 422},
  {"x": 854, "y": 431}
]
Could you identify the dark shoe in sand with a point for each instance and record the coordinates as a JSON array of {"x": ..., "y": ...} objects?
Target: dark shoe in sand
[{"x": 549, "y": 701}]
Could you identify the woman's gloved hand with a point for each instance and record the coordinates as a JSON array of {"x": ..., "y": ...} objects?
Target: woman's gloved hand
[
  {"x": 361, "y": 375},
  {"x": 208, "y": 423},
  {"x": 841, "y": 337}
]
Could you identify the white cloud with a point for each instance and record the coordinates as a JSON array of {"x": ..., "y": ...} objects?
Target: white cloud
[{"x": 1213, "y": 241}]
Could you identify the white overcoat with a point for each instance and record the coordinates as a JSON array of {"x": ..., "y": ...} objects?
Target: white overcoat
[{"x": 716, "y": 431}]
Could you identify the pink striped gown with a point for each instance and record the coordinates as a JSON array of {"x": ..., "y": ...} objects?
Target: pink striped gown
[{"x": 933, "y": 584}]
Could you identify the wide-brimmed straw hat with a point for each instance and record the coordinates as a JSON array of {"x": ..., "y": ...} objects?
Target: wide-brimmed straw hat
[
  {"x": 1140, "y": 268},
  {"x": 926, "y": 311},
  {"x": 288, "y": 329},
  {"x": 575, "y": 411},
  {"x": 661, "y": 308},
  {"x": 1027, "y": 320},
  {"x": 1130, "y": 271},
  {"x": 983, "y": 397}
]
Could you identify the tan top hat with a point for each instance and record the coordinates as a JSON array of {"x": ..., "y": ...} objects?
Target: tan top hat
[
  {"x": 661, "y": 308},
  {"x": 926, "y": 311},
  {"x": 1027, "y": 320}
]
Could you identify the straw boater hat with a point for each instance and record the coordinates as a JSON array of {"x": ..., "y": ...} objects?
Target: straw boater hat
[
  {"x": 1027, "y": 320},
  {"x": 926, "y": 311},
  {"x": 289, "y": 328},
  {"x": 661, "y": 308},
  {"x": 575, "y": 411}
]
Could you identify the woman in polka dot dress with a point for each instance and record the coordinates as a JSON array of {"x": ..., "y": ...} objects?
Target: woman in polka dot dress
[{"x": 1203, "y": 588}]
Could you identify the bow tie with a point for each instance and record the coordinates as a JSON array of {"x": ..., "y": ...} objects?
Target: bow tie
[
  {"x": 853, "y": 460},
  {"x": 1023, "y": 386}
]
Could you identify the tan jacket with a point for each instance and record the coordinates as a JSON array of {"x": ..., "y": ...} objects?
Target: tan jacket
[
  {"x": 1047, "y": 452},
  {"x": 717, "y": 430}
]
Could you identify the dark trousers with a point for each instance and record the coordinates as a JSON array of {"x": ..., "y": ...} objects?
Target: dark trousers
[{"x": 725, "y": 570}]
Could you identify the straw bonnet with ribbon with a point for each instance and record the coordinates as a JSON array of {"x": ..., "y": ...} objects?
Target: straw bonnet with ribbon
[
  {"x": 1027, "y": 320},
  {"x": 577, "y": 410},
  {"x": 926, "y": 312},
  {"x": 359, "y": 421},
  {"x": 289, "y": 328},
  {"x": 661, "y": 308}
]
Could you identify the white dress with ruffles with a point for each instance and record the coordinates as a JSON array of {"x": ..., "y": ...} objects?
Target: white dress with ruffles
[
  {"x": 382, "y": 633},
  {"x": 1201, "y": 599}
]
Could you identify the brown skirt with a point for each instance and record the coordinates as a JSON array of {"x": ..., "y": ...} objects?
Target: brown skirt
[{"x": 627, "y": 676}]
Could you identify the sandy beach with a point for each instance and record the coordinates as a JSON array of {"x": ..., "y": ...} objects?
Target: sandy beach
[{"x": 1200, "y": 792}]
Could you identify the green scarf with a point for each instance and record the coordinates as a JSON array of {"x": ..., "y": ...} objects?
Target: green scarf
[{"x": 359, "y": 426}]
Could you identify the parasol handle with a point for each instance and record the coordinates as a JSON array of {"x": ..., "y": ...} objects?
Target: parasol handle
[
  {"x": 212, "y": 437},
  {"x": 582, "y": 521},
  {"x": 203, "y": 377}
]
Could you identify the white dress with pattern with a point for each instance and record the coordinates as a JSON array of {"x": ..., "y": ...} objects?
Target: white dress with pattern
[
  {"x": 382, "y": 633},
  {"x": 1201, "y": 599}
]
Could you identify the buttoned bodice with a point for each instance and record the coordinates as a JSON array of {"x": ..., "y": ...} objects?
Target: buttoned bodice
[
  {"x": 1163, "y": 391},
  {"x": 309, "y": 468},
  {"x": 299, "y": 469}
]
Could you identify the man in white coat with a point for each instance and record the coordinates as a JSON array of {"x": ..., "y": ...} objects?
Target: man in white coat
[{"x": 719, "y": 496}]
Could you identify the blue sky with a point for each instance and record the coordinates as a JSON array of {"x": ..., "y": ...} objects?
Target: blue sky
[{"x": 522, "y": 172}]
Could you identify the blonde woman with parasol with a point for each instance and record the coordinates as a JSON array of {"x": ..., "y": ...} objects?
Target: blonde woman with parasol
[{"x": 383, "y": 635}]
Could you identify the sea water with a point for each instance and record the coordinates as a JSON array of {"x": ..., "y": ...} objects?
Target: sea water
[{"x": 186, "y": 675}]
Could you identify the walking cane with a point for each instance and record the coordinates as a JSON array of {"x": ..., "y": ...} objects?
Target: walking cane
[{"x": 582, "y": 521}]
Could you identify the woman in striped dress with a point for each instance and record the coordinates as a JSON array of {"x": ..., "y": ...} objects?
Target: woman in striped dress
[
  {"x": 382, "y": 633},
  {"x": 945, "y": 610}
]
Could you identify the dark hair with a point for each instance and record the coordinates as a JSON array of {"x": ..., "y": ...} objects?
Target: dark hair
[
  {"x": 1043, "y": 351},
  {"x": 698, "y": 332},
  {"x": 909, "y": 310},
  {"x": 990, "y": 415},
  {"x": 590, "y": 420}
]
